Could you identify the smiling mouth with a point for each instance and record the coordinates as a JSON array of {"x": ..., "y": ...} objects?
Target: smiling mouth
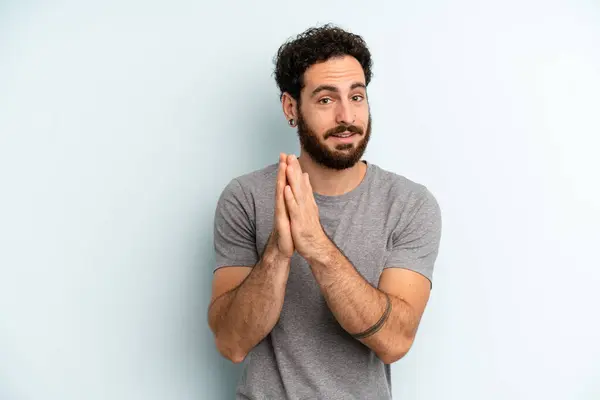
[{"x": 344, "y": 135}]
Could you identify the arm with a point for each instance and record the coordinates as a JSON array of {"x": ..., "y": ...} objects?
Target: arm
[
  {"x": 242, "y": 317},
  {"x": 358, "y": 306}
]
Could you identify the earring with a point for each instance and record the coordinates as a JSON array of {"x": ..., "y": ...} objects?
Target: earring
[{"x": 292, "y": 122}]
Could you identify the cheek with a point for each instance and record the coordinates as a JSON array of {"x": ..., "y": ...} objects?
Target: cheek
[
  {"x": 321, "y": 122},
  {"x": 362, "y": 117}
]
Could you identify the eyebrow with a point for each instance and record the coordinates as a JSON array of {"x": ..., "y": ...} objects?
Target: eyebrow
[{"x": 331, "y": 88}]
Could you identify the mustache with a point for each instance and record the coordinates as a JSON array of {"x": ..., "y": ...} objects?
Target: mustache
[{"x": 342, "y": 129}]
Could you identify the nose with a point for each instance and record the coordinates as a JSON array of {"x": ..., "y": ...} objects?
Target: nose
[{"x": 345, "y": 114}]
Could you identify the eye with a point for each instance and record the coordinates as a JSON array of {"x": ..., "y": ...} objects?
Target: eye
[
  {"x": 357, "y": 97},
  {"x": 325, "y": 100}
]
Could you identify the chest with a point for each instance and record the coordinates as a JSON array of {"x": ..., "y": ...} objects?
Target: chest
[{"x": 362, "y": 232}]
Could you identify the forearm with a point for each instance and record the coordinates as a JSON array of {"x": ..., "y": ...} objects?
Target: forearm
[
  {"x": 357, "y": 305},
  {"x": 242, "y": 317}
]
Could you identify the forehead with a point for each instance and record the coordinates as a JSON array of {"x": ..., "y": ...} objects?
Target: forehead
[{"x": 340, "y": 71}]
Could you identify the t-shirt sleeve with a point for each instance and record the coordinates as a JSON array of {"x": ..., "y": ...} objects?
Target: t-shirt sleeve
[
  {"x": 415, "y": 244},
  {"x": 234, "y": 229}
]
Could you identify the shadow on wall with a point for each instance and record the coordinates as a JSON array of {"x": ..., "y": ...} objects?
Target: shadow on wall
[{"x": 269, "y": 135}]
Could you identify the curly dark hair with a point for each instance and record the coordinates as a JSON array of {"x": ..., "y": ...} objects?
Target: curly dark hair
[{"x": 315, "y": 45}]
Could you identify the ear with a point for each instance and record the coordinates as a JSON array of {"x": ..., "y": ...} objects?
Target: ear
[{"x": 289, "y": 106}]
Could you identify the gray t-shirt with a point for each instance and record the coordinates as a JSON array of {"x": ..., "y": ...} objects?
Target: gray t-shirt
[{"x": 387, "y": 221}]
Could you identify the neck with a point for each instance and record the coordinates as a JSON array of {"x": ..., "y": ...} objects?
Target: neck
[{"x": 331, "y": 182}]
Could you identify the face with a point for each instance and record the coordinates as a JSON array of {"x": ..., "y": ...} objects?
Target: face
[{"x": 334, "y": 122}]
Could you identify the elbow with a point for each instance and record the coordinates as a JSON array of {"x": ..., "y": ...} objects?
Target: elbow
[
  {"x": 231, "y": 353},
  {"x": 224, "y": 346},
  {"x": 236, "y": 358},
  {"x": 390, "y": 356}
]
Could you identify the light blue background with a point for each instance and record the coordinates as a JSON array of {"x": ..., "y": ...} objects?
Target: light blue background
[{"x": 121, "y": 122}]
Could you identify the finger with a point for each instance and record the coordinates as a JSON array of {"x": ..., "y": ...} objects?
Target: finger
[
  {"x": 281, "y": 177},
  {"x": 306, "y": 183},
  {"x": 282, "y": 204},
  {"x": 293, "y": 160},
  {"x": 306, "y": 179},
  {"x": 294, "y": 177},
  {"x": 309, "y": 193},
  {"x": 280, "y": 185},
  {"x": 290, "y": 201}
]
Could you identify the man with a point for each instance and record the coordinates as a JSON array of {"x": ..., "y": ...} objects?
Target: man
[{"x": 325, "y": 261}]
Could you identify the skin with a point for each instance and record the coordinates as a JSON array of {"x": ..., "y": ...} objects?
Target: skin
[
  {"x": 246, "y": 302},
  {"x": 323, "y": 110},
  {"x": 333, "y": 99}
]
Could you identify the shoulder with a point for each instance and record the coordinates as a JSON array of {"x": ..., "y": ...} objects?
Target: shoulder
[
  {"x": 395, "y": 187},
  {"x": 258, "y": 179},
  {"x": 409, "y": 202},
  {"x": 245, "y": 187},
  {"x": 405, "y": 199}
]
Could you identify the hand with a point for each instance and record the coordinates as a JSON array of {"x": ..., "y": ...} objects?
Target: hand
[
  {"x": 307, "y": 233},
  {"x": 281, "y": 236}
]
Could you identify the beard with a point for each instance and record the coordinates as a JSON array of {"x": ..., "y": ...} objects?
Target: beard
[{"x": 345, "y": 155}]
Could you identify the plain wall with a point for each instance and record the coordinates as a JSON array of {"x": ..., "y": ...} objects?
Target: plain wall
[{"x": 122, "y": 121}]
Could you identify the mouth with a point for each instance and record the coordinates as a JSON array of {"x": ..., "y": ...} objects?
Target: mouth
[{"x": 344, "y": 137}]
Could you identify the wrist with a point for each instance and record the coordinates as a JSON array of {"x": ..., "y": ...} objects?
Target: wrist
[
  {"x": 272, "y": 254},
  {"x": 321, "y": 251}
]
